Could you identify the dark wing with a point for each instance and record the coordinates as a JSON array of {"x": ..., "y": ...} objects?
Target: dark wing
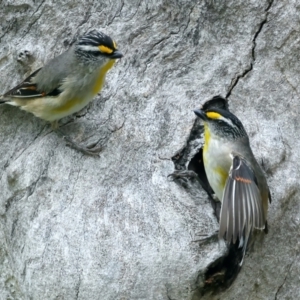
[
  {"x": 242, "y": 208},
  {"x": 27, "y": 89}
]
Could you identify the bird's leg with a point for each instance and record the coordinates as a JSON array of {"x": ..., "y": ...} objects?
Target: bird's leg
[
  {"x": 190, "y": 174},
  {"x": 54, "y": 125},
  {"x": 89, "y": 150},
  {"x": 206, "y": 237},
  {"x": 177, "y": 174}
]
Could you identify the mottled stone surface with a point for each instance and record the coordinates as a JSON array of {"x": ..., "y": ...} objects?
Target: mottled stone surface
[{"x": 114, "y": 227}]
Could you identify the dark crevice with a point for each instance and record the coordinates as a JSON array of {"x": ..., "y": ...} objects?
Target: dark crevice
[
  {"x": 196, "y": 165},
  {"x": 221, "y": 273},
  {"x": 235, "y": 81},
  {"x": 269, "y": 6}
]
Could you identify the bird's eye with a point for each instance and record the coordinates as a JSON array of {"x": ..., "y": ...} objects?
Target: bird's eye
[{"x": 105, "y": 49}]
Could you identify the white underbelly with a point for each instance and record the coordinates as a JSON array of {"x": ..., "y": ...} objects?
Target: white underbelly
[
  {"x": 52, "y": 109},
  {"x": 217, "y": 164}
]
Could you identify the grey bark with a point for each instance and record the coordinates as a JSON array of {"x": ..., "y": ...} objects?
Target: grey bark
[{"x": 114, "y": 227}]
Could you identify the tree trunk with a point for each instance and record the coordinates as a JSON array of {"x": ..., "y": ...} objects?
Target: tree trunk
[{"x": 116, "y": 227}]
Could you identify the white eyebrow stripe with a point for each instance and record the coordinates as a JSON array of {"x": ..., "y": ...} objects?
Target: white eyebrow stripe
[
  {"x": 228, "y": 121},
  {"x": 88, "y": 48}
]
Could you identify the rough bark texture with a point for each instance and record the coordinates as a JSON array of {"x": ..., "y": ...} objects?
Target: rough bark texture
[{"x": 114, "y": 227}]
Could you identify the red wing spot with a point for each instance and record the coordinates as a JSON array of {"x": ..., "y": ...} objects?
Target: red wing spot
[{"x": 244, "y": 180}]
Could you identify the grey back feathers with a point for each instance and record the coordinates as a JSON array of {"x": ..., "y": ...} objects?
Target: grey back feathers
[{"x": 55, "y": 71}]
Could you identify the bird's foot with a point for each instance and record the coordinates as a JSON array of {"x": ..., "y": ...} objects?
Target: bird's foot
[
  {"x": 183, "y": 174},
  {"x": 204, "y": 237},
  {"x": 89, "y": 149}
]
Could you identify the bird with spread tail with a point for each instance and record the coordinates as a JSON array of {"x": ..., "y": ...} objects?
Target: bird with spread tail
[
  {"x": 68, "y": 82},
  {"x": 234, "y": 175}
]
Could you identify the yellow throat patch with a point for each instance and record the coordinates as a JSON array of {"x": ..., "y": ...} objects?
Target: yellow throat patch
[
  {"x": 99, "y": 83},
  {"x": 206, "y": 137}
]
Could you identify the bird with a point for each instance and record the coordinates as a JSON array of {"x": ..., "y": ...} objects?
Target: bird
[
  {"x": 68, "y": 82},
  {"x": 234, "y": 175}
]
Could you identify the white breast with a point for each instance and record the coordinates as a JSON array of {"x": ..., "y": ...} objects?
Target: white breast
[{"x": 217, "y": 163}]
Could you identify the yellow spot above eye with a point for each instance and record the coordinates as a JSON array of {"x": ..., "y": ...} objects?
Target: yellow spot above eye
[
  {"x": 213, "y": 115},
  {"x": 105, "y": 49},
  {"x": 115, "y": 45}
]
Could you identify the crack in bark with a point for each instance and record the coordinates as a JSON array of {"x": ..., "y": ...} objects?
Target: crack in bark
[
  {"x": 189, "y": 19},
  {"x": 38, "y": 8},
  {"x": 117, "y": 14},
  {"x": 269, "y": 6},
  {"x": 284, "y": 280},
  {"x": 73, "y": 189},
  {"x": 150, "y": 59},
  {"x": 236, "y": 80},
  {"x": 85, "y": 20},
  {"x": 77, "y": 287},
  {"x": 117, "y": 128},
  {"x": 31, "y": 189},
  {"x": 34, "y": 21},
  {"x": 132, "y": 16},
  {"x": 32, "y": 142}
]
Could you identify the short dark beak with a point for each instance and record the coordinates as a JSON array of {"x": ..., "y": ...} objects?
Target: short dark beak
[
  {"x": 116, "y": 54},
  {"x": 201, "y": 114}
]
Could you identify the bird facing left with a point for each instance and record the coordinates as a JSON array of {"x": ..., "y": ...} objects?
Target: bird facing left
[{"x": 68, "y": 82}]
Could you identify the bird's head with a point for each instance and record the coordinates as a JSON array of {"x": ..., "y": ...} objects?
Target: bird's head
[
  {"x": 221, "y": 123},
  {"x": 95, "y": 45}
]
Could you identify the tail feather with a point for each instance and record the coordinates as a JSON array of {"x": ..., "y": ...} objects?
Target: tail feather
[
  {"x": 2, "y": 100},
  {"x": 244, "y": 242}
]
